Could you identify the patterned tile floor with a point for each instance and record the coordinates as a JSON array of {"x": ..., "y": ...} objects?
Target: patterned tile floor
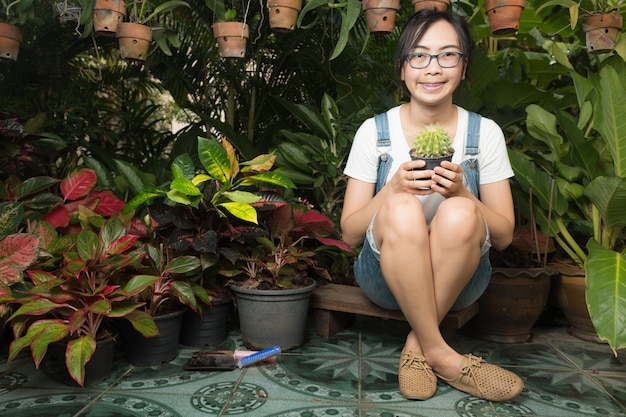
[{"x": 351, "y": 374}]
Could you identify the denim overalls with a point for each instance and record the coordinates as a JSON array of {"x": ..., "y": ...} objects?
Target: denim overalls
[{"x": 367, "y": 266}]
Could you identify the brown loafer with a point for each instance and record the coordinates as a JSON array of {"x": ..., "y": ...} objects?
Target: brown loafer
[
  {"x": 416, "y": 379},
  {"x": 486, "y": 381}
]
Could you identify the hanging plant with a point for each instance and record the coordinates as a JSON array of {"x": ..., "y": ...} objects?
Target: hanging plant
[
  {"x": 230, "y": 33},
  {"x": 135, "y": 36},
  {"x": 284, "y": 14}
]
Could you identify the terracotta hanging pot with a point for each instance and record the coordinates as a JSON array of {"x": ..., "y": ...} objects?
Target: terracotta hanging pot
[
  {"x": 601, "y": 31},
  {"x": 284, "y": 14},
  {"x": 134, "y": 40},
  {"x": 10, "y": 40},
  {"x": 381, "y": 15},
  {"x": 231, "y": 38},
  {"x": 504, "y": 15},
  {"x": 107, "y": 15},
  {"x": 441, "y": 5}
]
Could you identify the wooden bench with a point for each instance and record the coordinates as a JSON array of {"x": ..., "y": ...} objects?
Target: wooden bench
[{"x": 335, "y": 307}]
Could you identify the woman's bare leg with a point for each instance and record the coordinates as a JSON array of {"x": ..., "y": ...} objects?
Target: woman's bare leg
[{"x": 408, "y": 253}]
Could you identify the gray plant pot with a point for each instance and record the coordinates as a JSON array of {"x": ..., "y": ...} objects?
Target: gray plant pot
[{"x": 273, "y": 317}]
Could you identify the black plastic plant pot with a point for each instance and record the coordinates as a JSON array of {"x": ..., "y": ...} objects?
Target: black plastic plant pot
[{"x": 431, "y": 163}]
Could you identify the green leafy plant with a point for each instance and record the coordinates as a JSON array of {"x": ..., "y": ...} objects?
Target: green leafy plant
[
  {"x": 585, "y": 188},
  {"x": 200, "y": 207},
  {"x": 77, "y": 300},
  {"x": 17, "y": 12},
  {"x": 289, "y": 249},
  {"x": 168, "y": 281},
  {"x": 588, "y": 7}
]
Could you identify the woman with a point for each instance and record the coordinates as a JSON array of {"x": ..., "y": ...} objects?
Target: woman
[{"x": 425, "y": 234}]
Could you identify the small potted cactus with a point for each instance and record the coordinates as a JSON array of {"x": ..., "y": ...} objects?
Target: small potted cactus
[{"x": 432, "y": 145}]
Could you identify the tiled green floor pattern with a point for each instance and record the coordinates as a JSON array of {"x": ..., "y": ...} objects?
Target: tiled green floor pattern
[{"x": 351, "y": 374}]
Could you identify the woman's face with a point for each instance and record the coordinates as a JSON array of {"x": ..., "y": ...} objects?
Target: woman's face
[{"x": 434, "y": 84}]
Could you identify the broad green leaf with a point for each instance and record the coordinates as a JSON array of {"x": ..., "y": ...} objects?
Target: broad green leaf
[
  {"x": 271, "y": 179},
  {"x": 185, "y": 186},
  {"x": 605, "y": 292},
  {"x": 182, "y": 265},
  {"x": 348, "y": 19},
  {"x": 214, "y": 159},
  {"x": 79, "y": 352},
  {"x": 141, "y": 199},
  {"x": 183, "y": 167},
  {"x": 242, "y": 211},
  {"x": 138, "y": 283},
  {"x": 608, "y": 194},
  {"x": 241, "y": 196},
  {"x": 33, "y": 185},
  {"x": 610, "y": 118},
  {"x": 133, "y": 177},
  {"x": 143, "y": 323}
]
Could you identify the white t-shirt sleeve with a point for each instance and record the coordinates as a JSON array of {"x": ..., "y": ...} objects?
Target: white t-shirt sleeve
[{"x": 362, "y": 163}]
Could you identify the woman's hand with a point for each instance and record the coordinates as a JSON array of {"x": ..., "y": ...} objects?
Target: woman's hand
[
  {"x": 410, "y": 178},
  {"x": 447, "y": 179}
]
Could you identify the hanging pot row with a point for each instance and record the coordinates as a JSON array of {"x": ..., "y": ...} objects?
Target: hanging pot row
[{"x": 504, "y": 15}]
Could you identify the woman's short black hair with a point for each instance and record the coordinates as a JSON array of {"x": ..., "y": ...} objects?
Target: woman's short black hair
[{"x": 419, "y": 24}]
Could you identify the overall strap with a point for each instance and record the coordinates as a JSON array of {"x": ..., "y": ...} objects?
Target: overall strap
[
  {"x": 472, "y": 142},
  {"x": 383, "y": 144}
]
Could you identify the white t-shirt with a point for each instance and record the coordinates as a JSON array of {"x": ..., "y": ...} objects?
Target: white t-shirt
[{"x": 493, "y": 160}]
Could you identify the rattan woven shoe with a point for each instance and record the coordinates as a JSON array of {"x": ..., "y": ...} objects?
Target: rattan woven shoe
[
  {"x": 416, "y": 378},
  {"x": 486, "y": 381}
]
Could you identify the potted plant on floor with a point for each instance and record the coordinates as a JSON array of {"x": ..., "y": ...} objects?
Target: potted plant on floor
[
  {"x": 274, "y": 276},
  {"x": 72, "y": 297},
  {"x": 205, "y": 209},
  {"x": 518, "y": 290},
  {"x": 18, "y": 251},
  {"x": 587, "y": 191},
  {"x": 135, "y": 36},
  {"x": 168, "y": 286}
]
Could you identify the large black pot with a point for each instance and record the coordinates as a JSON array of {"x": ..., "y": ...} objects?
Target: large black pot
[
  {"x": 97, "y": 369},
  {"x": 209, "y": 327},
  {"x": 144, "y": 351}
]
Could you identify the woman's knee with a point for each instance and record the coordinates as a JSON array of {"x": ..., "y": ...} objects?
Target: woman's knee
[
  {"x": 458, "y": 216},
  {"x": 400, "y": 214}
]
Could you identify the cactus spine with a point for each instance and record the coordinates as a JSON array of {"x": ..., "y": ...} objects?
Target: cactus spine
[{"x": 432, "y": 142}]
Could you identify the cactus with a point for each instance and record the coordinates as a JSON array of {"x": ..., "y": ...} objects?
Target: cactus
[{"x": 432, "y": 142}]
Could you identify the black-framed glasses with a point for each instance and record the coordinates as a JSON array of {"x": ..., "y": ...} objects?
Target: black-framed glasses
[{"x": 419, "y": 60}]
